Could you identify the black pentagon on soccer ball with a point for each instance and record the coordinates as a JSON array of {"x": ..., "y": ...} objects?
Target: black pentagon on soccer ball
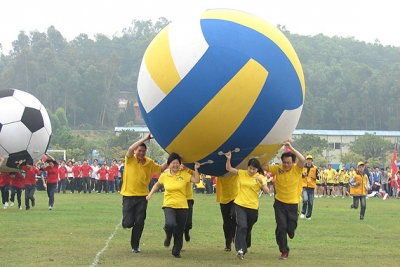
[
  {"x": 13, "y": 158},
  {"x": 32, "y": 118},
  {"x": 6, "y": 92}
]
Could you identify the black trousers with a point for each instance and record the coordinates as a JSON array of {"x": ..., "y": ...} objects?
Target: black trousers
[
  {"x": 363, "y": 202},
  {"x": 77, "y": 185},
  {"x": 189, "y": 219},
  {"x": 133, "y": 216},
  {"x": 29, "y": 191},
  {"x": 286, "y": 216},
  {"x": 229, "y": 222},
  {"x": 62, "y": 185},
  {"x": 5, "y": 193},
  {"x": 175, "y": 220},
  {"x": 102, "y": 184},
  {"x": 245, "y": 218},
  {"x": 86, "y": 184},
  {"x": 18, "y": 191}
]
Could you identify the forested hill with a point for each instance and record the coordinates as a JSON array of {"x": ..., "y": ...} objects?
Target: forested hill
[{"x": 350, "y": 84}]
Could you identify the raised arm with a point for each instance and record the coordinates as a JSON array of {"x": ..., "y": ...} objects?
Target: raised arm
[
  {"x": 134, "y": 146},
  {"x": 196, "y": 176},
  {"x": 2, "y": 160},
  {"x": 48, "y": 156},
  {"x": 228, "y": 165},
  {"x": 298, "y": 155}
]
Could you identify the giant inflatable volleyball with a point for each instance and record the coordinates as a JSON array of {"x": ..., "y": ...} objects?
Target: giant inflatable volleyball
[
  {"x": 25, "y": 128},
  {"x": 225, "y": 80}
]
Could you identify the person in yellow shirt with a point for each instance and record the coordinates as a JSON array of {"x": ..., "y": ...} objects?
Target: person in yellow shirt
[
  {"x": 134, "y": 189},
  {"x": 341, "y": 177},
  {"x": 200, "y": 187},
  {"x": 288, "y": 188},
  {"x": 175, "y": 203},
  {"x": 359, "y": 189},
  {"x": 345, "y": 187},
  {"x": 246, "y": 201},
  {"x": 309, "y": 180},
  {"x": 227, "y": 190},
  {"x": 331, "y": 180}
]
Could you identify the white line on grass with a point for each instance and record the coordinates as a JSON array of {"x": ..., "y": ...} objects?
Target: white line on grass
[
  {"x": 371, "y": 227},
  {"x": 96, "y": 259}
]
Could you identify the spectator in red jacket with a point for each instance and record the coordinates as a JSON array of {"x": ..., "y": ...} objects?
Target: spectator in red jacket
[
  {"x": 103, "y": 174},
  {"x": 86, "y": 173},
  {"x": 62, "y": 174},
  {"x": 77, "y": 182},
  {"x": 113, "y": 177}
]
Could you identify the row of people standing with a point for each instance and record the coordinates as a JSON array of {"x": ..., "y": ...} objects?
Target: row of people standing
[{"x": 89, "y": 178}]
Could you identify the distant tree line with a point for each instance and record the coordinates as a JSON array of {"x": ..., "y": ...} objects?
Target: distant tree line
[{"x": 350, "y": 84}]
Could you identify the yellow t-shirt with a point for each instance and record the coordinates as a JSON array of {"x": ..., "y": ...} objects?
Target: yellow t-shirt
[
  {"x": 249, "y": 187},
  {"x": 189, "y": 186},
  {"x": 346, "y": 178},
  {"x": 137, "y": 176},
  {"x": 227, "y": 189},
  {"x": 175, "y": 189},
  {"x": 342, "y": 176},
  {"x": 330, "y": 176},
  {"x": 288, "y": 184}
]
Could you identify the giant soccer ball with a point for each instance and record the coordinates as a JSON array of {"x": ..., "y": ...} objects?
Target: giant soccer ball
[
  {"x": 25, "y": 127},
  {"x": 224, "y": 80}
]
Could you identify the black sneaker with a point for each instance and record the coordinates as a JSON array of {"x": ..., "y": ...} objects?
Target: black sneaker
[
  {"x": 177, "y": 255},
  {"x": 227, "y": 249},
  {"x": 187, "y": 236},
  {"x": 167, "y": 242},
  {"x": 136, "y": 250}
]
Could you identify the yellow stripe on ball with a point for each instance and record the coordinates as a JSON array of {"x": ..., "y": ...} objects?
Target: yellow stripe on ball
[
  {"x": 161, "y": 59},
  {"x": 232, "y": 105}
]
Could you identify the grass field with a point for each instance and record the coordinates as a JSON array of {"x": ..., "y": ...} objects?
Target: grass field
[{"x": 85, "y": 230}]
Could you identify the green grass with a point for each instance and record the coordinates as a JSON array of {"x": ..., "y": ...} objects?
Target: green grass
[{"x": 80, "y": 225}]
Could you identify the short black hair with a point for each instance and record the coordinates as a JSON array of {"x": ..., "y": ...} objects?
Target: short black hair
[
  {"x": 143, "y": 145},
  {"x": 173, "y": 157},
  {"x": 287, "y": 155}
]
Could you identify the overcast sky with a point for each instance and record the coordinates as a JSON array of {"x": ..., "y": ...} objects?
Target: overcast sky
[{"x": 366, "y": 20}]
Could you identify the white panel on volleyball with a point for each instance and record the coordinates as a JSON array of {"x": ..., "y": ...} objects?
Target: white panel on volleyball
[
  {"x": 149, "y": 93},
  {"x": 286, "y": 123},
  {"x": 187, "y": 51}
]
